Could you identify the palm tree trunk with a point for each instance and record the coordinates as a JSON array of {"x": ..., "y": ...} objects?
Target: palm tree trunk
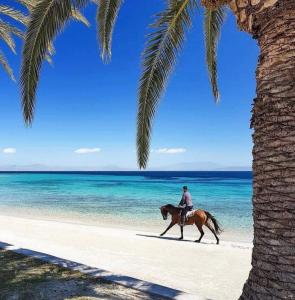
[{"x": 273, "y": 259}]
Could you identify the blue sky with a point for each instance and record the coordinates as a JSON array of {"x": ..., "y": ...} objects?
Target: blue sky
[{"x": 83, "y": 103}]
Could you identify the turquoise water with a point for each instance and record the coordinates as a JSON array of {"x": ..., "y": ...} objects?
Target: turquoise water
[{"x": 129, "y": 199}]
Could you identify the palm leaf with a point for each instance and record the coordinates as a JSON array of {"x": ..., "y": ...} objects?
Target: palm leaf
[
  {"x": 29, "y": 4},
  {"x": 11, "y": 29},
  {"x": 212, "y": 24},
  {"x": 5, "y": 36},
  {"x": 107, "y": 14},
  {"x": 78, "y": 16},
  {"x": 47, "y": 20},
  {"x": 4, "y": 63},
  {"x": 158, "y": 60},
  {"x": 14, "y": 14},
  {"x": 7, "y": 32}
]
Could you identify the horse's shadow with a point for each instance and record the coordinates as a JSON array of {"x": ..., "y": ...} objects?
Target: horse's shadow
[{"x": 171, "y": 238}]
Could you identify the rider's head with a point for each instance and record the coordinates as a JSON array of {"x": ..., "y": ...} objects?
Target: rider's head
[{"x": 185, "y": 188}]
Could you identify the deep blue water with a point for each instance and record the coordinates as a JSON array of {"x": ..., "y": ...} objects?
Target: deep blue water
[{"x": 128, "y": 198}]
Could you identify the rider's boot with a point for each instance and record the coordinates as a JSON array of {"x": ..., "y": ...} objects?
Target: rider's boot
[{"x": 182, "y": 221}]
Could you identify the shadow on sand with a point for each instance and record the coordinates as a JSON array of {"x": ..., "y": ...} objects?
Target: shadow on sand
[
  {"x": 154, "y": 291},
  {"x": 174, "y": 239}
]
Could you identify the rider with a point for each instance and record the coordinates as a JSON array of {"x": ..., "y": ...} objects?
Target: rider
[{"x": 186, "y": 204}]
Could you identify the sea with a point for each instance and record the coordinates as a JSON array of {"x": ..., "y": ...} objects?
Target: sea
[{"x": 130, "y": 200}]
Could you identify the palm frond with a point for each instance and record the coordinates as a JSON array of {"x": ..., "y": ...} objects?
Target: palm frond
[
  {"x": 14, "y": 14},
  {"x": 6, "y": 37},
  {"x": 78, "y": 16},
  {"x": 158, "y": 60},
  {"x": 51, "y": 49},
  {"x": 11, "y": 29},
  {"x": 212, "y": 25},
  {"x": 107, "y": 13},
  {"x": 29, "y": 4},
  {"x": 47, "y": 20},
  {"x": 8, "y": 31},
  {"x": 4, "y": 63}
]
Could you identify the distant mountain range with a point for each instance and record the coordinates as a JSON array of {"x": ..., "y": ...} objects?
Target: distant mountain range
[
  {"x": 187, "y": 166},
  {"x": 200, "y": 166}
]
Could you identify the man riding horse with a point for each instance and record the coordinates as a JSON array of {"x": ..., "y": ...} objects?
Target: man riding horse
[
  {"x": 197, "y": 217},
  {"x": 186, "y": 204}
]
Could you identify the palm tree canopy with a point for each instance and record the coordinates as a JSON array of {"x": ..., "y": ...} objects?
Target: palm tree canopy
[
  {"x": 49, "y": 17},
  {"x": 212, "y": 23},
  {"x": 107, "y": 13},
  {"x": 159, "y": 58},
  {"x": 12, "y": 24},
  {"x": 47, "y": 20},
  {"x": 9, "y": 30}
]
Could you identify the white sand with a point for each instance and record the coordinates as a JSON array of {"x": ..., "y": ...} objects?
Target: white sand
[{"x": 209, "y": 270}]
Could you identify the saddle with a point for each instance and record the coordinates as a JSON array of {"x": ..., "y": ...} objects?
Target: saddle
[{"x": 190, "y": 213}]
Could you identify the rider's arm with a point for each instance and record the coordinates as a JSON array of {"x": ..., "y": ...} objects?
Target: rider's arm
[
  {"x": 184, "y": 199},
  {"x": 182, "y": 202}
]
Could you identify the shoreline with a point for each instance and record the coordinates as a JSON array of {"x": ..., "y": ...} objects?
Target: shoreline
[
  {"x": 233, "y": 236},
  {"x": 219, "y": 271}
]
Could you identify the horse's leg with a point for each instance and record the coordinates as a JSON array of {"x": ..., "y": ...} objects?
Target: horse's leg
[
  {"x": 169, "y": 227},
  {"x": 181, "y": 231},
  {"x": 201, "y": 232},
  {"x": 213, "y": 231}
]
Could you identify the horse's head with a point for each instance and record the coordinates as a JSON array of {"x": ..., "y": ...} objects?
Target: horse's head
[{"x": 164, "y": 212}]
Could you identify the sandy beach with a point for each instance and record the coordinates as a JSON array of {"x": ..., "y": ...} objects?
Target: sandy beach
[{"x": 207, "y": 270}]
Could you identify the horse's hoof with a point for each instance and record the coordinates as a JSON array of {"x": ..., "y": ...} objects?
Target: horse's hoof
[
  {"x": 161, "y": 234},
  {"x": 181, "y": 238},
  {"x": 217, "y": 243},
  {"x": 197, "y": 241}
]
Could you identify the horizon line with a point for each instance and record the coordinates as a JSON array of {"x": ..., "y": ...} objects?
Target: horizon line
[{"x": 93, "y": 171}]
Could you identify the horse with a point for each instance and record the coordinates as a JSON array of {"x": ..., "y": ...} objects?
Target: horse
[{"x": 198, "y": 217}]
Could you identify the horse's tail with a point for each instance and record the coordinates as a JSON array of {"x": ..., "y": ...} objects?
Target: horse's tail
[{"x": 215, "y": 222}]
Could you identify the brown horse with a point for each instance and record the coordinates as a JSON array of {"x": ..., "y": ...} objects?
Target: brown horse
[{"x": 199, "y": 218}]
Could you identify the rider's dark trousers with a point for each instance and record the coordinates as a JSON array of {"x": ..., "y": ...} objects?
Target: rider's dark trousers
[{"x": 183, "y": 213}]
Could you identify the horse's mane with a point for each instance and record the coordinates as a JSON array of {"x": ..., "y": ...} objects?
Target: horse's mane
[{"x": 171, "y": 206}]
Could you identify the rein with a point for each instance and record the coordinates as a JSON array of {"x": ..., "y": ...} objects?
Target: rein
[{"x": 172, "y": 209}]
